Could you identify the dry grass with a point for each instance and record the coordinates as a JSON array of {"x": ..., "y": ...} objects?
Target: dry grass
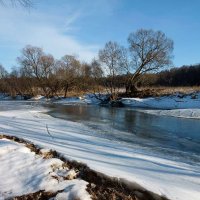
[
  {"x": 144, "y": 92},
  {"x": 147, "y": 91},
  {"x": 40, "y": 195},
  {"x": 160, "y": 91}
]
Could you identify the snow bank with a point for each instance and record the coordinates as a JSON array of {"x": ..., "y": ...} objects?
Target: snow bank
[
  {"x": 95, "y": 98},
  {"x": 182, "y": 113},
  {"x": 165, "y": 102},
  {"x": 69, "y": 101},
  {"x": 86, "y": 99},
  {"x": 38, "y": 98},
  {"x": 187, "y": 106},
  {"x": 4, "y": 96},
  {"x": 23, "y": 172},
  {"x": 176, "y": 180}
]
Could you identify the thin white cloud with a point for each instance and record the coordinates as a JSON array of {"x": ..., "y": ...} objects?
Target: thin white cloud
[
  {"x": 52, "y": 33},
  {"x": 71, "y": 19}
]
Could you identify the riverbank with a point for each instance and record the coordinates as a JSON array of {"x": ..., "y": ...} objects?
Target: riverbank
[
  {"x": 175, "y": 105},
  {"x": 28, "y": 172},
  {"x": 77, "y": 142},
  {"x": 65, "y": 179},
  {"x": 178, "y": 105}
]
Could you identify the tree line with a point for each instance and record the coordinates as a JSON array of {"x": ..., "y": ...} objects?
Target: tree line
[
  {"x": 116, "y": 68},
  {"x": 181, "y": 76},
  {"x": 41, "y": 73}
]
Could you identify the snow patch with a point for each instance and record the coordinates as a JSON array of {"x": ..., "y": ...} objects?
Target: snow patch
[
  {"x": 165, "y": 102},
  {"x": 23, "y": 172},
  {"x": 186, "y": 106},
  {"x": 182, "y": 113}
]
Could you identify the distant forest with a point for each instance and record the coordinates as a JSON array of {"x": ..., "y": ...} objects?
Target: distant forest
[
  {"x": 182, "y": 76},
  {"x": 174, "y": 77}
]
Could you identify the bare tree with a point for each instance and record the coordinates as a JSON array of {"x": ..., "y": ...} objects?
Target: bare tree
[
  {"x": 31, "y": 61},
  {"x": 97, "y": 77},
  {"x": 48, "y": 80},
  {"x": 24, "y": 3},
  {"x": 3, "y": 72},
  {"x": 112, "y": 57},
  {"x": 96, "y": 69},
  {"x": 3, "y": 79},
  {"x": 38, "y": 65},
  {"x": 68, "y": 71},
  {"x": 150, "y": 51}
]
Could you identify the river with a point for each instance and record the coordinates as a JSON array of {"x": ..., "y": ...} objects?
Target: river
[
  {"x": 160, "y": 153},
  {"x": 176, "y": 138},
  {"x": 169, "y": 137}
]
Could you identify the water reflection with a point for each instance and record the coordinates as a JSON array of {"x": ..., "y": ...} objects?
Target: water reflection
[
  {"x": 135, "y": 127},
  {"x": 174, "y": 137}
]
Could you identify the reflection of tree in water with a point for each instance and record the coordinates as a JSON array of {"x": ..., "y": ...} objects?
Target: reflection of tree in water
[
  {"x": 141, "y": 124},
  {"x": 77, "y": 111},
  {"x": 130, "y": 118}
]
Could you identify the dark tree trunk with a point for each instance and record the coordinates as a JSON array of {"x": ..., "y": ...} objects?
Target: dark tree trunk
[
  {"x": 131, "y": 88},
  {"x": 66, "y": 90}
]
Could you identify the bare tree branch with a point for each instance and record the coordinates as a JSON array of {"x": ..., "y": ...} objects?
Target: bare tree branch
[
  {"x": 150, "y": 51},
  {"x": 14, "y": 3},
  {"x": 114, "y": 58}
]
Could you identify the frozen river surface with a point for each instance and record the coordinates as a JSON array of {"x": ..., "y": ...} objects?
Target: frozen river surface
[
  {"x": 177, "y": 137},
  {"x": 160, "y": 153}
]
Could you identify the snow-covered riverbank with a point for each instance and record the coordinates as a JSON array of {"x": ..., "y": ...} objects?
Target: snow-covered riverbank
[
  {"x": 79, "y": 142},
  {"x": 23, "y": 172},
  {"x": 165, "y": 102},
  {"x": 178, "y": 105},
  {"x": 184, "y": 106},
  {"x": 182, "y": 113}
]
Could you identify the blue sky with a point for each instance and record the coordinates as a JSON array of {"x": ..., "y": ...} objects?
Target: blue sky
[{"x": 82, "y": 27}]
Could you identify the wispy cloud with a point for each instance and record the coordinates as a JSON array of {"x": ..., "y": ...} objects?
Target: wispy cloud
[
  {"x": 71, "y": 19},
  {"x": 51, "y": 32}
]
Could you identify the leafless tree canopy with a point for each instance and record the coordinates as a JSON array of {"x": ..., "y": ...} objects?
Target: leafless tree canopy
[
  {"x": 96, "y": 68},
  {"x": 150, "y": 51},
  {"x": 24, "y": 3},
  {"x": 116, "y": 68},
  {"x": 113, "y": 56},
  {"x": 3, "y": 72},
  {"x": 31, "y": 61},
  {"x": 69, "y": 69}
]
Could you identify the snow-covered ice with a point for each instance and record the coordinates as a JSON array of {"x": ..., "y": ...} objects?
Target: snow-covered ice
[
  {"x": 183, "y": 113},
  {"x": 165, "y": 102},
  {"x": 176, "y": 180},
  {"x": 38, "y": 98},
  {"x": 187, "y": 106},
  {"x": 86, "y": 99},
  {"x": 69, "y": 100}
]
